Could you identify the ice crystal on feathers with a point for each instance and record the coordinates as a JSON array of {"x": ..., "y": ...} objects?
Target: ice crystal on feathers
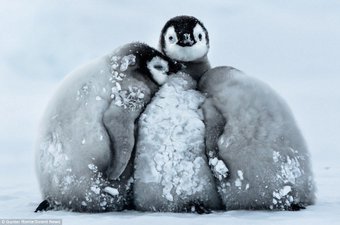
[
  {"x": 170, "y": 150},
  {"x": 219, "y": 168},
  {"x": 103, "y": 203},
  {"x": 95, "y": 189},
  {"x": 282, "y": 197},
  {"x": 238, "y": 181},
  {"x": 116, "y": 89},
  {"x": 111, "y": 191},
  {"x": 93, "y": 167},
  {"x": 291, "y": 170},
  {"x": 128, "y": 60},
  {"x": 114, "y": 62},
  {"x": 240, "y": 174},
  {"x": 276, "y": 156},
  {"x": 131, "y": 99}
]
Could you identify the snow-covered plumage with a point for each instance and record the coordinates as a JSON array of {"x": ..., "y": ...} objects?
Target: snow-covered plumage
[
  {"x": 253, "y": 131},
  {"x": 87, "y": 135},
  {"x": 171, "y": 168}
]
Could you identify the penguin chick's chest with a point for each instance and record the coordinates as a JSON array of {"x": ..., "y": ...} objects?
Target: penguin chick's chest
[{"x": 172, "y": 143}]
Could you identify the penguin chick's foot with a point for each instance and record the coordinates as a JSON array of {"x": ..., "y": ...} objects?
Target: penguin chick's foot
[
  {"x": 43, "y": 206},
  {"x": 296, "y": 207},
  {"x": 200, "y": 209}
]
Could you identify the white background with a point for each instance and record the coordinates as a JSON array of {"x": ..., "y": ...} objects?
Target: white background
[{"x": 294, "y": 46}]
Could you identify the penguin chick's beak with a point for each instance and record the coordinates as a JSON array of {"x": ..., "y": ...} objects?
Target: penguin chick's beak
[
  {"x": 175, "y": 67},
  {"x": 186, "y": 40}
]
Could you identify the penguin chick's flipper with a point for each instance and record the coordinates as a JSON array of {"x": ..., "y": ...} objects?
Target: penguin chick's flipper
[
  {"x": 120, "y": 126},
  {"x": 214, "y": 123},
  {"x": 43, "y": 206}
]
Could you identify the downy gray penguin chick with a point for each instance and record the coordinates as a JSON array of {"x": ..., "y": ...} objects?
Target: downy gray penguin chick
[
  {"x": 268, "y": 161},
  {"x": 171, "y": 168},
  {"x": 249, "y": 127},
  {"x": 87, "y": 135}
]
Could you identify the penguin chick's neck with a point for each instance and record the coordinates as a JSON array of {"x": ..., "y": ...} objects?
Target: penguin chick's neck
[{"x": 197, "y": 68}]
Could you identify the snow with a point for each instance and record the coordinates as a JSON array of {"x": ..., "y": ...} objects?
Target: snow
[
  {"x": 218, "y": 167},
  {"x": 128, "y": 60},
  {"x": 293, "y": 46},
  {"x": 133, "y": 98},
  {"x": 238, "y": 181},
  {"x": 111, "y": 191},
  {"x": 291, "y": 170},
  {"x": 171, "y": 168}
]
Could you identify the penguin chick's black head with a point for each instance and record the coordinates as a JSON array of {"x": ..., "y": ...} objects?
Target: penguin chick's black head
[
  {"x": 184, "y": 38},
  {"x": 151, "y": 62}
]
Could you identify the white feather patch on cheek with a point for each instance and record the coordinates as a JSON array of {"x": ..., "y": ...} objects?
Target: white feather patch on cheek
[
  {"x": 187, "y": 54},
  {"x": 170, "y": 36},
  {"x": 158, "y": 69}
]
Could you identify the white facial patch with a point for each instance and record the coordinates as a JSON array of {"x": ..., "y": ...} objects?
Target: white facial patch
[
  {"x": 187, "y": 53},
  {"x": 170, "y": 36},
  {"x": 199, "y": 34},
  {"x": 158, "y": 68}
]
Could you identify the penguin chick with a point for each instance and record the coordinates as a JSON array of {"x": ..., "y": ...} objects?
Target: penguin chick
[
  {"x": 185, "y": 39},
  {"x": 171, "y": 168},
  {"x": 87, "y": 135},
  {"x": 248, "y": 127},
  {"x": 267, "y": 157}
]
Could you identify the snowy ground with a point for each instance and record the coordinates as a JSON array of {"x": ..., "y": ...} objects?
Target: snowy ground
[{"x": 292, "y": 46}]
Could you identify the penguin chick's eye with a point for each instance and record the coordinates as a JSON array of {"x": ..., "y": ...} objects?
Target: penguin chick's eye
[
  {"x": 171, "y": 39},
  {"x": 199, "y": 34},
  {"x": 158, "y": 67},
  {"x": 170, "y": 35}
]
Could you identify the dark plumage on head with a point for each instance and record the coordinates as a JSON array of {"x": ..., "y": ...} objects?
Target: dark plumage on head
[
  {"x": 149, "y": 61},
  {"x": 183, "y": 25},
  {"x": 184, "y": 38}
]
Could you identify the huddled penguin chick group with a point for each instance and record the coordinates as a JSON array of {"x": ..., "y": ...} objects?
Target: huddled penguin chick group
[
  {"x": 84, "y": 151},
  {"x": 208, "y": 139},
  {"x": 248, "y": 126}
]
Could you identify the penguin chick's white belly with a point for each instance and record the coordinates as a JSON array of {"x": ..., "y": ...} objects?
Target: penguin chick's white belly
[
  {"x": 171, "y": 169},
  {"x": 261, "y": 144}
]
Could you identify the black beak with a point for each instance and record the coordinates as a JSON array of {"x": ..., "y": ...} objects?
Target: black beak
[
  {"x": 186, "y": 40},
  {"x": 175, "y": 67}
]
